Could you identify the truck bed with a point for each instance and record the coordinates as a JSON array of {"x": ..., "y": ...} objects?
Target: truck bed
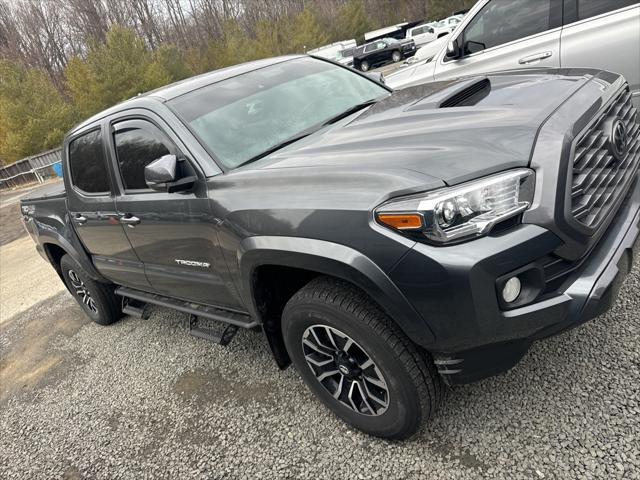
[{"x": 50, "y": 191}]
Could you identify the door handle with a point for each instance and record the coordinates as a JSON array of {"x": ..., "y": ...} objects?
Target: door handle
[
  {"x": 535, "y": 57},
  {"x": 80, "y": 219},
  {"x": 129, "y": 220}
]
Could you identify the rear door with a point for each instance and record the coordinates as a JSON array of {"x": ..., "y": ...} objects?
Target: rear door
[
  {"x": 92, "y": 210},
  {"x": 505, "y": 35},
  {"x": 603, "y": 34},
  {"x": 173, "y": 234}
]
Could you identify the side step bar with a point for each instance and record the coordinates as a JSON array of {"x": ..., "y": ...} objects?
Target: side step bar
[
  {"x": 220, "y": 337},
  {"x": 236, "y": 319}
]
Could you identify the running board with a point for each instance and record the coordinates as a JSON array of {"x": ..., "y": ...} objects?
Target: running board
[
  {"x": 196, "y": 309},
  {"x": 220, "y": 337}
]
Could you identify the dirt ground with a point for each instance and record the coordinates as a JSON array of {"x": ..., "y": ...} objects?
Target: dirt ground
[{"x": 25, "y": 277}]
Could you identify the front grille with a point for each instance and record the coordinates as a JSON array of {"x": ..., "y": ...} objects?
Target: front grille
[{"x": 599, "y": 176}]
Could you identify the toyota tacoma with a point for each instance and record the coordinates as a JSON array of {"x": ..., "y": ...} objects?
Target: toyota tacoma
[{"x": 386, "y": 242}]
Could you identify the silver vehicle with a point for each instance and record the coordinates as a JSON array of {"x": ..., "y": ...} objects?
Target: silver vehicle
[{"x": 511, "y": 34}]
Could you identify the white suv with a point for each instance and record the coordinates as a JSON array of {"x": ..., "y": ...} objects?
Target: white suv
[{"x": 510, "y": 34}]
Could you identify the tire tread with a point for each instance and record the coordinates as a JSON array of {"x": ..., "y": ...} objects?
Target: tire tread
[{"x": 353, "y": 301}]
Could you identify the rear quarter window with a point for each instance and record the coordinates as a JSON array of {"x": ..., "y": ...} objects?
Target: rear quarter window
[{"x": 87, "y": 163}]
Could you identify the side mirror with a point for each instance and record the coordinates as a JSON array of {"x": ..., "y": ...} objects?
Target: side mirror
[
  {"x": 162, "y": 175},
  {"x": 160, "y": 172},
  {"x": 453, "y": 49},
  {"x": 376, "y": 77}
]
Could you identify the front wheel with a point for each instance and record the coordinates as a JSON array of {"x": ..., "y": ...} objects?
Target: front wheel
[
  {"x": 364, "y": 66},
  {"x": 396, "y": 56},
  {"x": 357, "y": 361},
  {"x": 98, "y": 300}
]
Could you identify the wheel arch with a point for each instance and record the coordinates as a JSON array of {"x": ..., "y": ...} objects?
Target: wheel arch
[
  {"x": 56, "y": 246},
  {"x": 290, "y": 263}
]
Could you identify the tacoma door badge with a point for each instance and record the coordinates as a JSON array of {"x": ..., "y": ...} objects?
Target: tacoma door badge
[{"x": 192, "y": 263}]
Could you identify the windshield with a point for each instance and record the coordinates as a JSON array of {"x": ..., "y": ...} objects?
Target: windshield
[{"x": 242, "y": 117}]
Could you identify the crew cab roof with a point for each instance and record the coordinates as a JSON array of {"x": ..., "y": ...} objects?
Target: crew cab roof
[{"x": 181, "y": 87}]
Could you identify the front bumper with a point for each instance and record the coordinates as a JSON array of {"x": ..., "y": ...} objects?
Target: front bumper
[{"x": 454, "y": 290}]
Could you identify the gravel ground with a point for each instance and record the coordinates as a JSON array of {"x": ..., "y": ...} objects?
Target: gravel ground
[{"x": 141, "y": 399}]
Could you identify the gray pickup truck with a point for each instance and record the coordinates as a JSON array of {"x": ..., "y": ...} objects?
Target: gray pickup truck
[{"x": 386, "y": 242}]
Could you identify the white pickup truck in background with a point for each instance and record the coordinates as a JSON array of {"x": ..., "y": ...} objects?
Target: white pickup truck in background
[{"x": 428, "y": 32}]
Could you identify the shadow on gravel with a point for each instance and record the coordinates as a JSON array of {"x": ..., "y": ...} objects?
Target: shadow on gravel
[
  {"x": 211, "y": 386},
  {"x": 156, "y": 402},
  {"x": 28, "y": 362}
]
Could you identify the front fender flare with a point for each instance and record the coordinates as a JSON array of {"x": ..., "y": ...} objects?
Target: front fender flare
[{"x": 335, "y": 260}]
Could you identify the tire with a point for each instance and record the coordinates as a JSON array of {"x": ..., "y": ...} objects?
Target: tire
[
  {"x": 327, "y": 313},
  {"x": 396, "y": 56},
  {"x": 98, "y": 300},
  {"x": 364, "y": 66}
]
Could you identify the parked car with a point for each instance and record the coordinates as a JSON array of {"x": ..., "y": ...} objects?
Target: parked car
[
  {"x": 452, "y": 22},
  {"x": 384, "y": 241},
  {"x": 345, "y": 57},
  {"x": 421, "y": 35},
  {"x": 335, "y": 51},
  {"x": 509, "y": 34},
  {"x": 382, "y": 52}
]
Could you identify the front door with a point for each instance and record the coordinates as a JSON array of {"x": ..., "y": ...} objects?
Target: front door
[
  {"x": 507, "y": 35},
  {"x": 92, "y": 210},
  {"x": 174, "y": 234}
]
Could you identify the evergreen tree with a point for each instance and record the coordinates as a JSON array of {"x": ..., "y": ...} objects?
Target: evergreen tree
[
  {"x": 352, "y": 21},
  {"x": 119, "y": 69},
  {"x": 34, "y": 116},
  {"x": 307, "y": 32}
]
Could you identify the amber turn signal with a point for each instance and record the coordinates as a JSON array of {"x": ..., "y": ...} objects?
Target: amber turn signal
[{"x": 401, "y": 221}]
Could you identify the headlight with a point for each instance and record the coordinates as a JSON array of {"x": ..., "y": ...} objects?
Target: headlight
[{"x": 465, "y": 211}]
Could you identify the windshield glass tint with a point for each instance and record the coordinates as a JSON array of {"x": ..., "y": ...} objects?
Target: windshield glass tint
[{"x": 244, "y": 116}]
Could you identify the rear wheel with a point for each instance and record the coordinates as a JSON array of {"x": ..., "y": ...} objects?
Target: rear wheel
[
  {"x": 396, "y": 56},
  {"x": 364, "y": 66},
  {"x": 357, "y": 361},
  {"x": 98, "y": 300}
]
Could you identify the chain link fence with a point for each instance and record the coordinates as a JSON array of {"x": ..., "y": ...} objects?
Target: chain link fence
[{"x": 34, "y": 169}]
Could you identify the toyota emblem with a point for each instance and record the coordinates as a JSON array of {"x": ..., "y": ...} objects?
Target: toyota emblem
[{"x": 618, "y": 140}]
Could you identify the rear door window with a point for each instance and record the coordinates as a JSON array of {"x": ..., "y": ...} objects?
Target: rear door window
[
  {"x": 591, "y": 8},
  {"x": 88, "y": 165},
  {"x": 489, "y": 28},
  {"x": 138, "y": 143}
]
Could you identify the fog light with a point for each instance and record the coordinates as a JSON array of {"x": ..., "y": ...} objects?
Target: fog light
[{"x": 511, "y": 289}]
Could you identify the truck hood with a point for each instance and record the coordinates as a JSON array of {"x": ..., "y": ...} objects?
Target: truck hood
[{"x": 453, "y": 131}]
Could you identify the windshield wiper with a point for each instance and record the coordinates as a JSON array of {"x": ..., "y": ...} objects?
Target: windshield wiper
[
  {"x": 349, "y": 111},
  {"x": 307, "y": 132},
  {"x": 278, "y": 146}
]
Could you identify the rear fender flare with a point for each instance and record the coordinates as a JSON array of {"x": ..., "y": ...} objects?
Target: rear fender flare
[{"x": 50, "y": 237}]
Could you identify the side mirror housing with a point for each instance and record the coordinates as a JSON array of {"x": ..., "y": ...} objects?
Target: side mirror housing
[
  {"x": 453, "y": 49},
  {"x": 160, "y": 172},
  {"x": 162, "y": 175}
]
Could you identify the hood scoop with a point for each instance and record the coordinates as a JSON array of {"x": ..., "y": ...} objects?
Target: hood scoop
[
  {"x": 460, "y": 94},
  {"x": 469, "y": 95}
]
